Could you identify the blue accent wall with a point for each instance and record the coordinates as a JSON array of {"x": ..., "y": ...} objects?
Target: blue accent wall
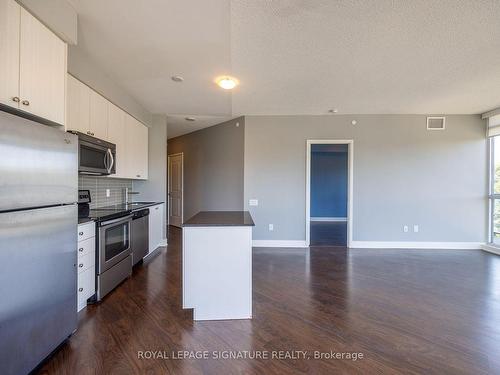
[{"x": 329, "y": 184}]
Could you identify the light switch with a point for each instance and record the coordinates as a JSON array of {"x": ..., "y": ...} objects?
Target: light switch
[{"x": 253, "y": 202}]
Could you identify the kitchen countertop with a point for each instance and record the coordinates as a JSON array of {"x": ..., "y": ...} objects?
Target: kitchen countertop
[
  {"x": 84, "y": 220},
  {"x": 114, "y": 211},
  {"x": 220, "y": 219},
  {"x": 133, "y": 206}
]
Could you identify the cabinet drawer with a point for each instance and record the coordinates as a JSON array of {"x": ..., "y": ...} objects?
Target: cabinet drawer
[
  {"x": 85, "y": 262},
  {"x": 86, "y": 286},
  {"x": 86, "y": 247},
  {"x": 86, "y": 231}
]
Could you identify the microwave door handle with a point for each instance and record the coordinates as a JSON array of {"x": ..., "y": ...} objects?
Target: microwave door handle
[
  {"x": 111, "y": 160},
  {"x": 106, "y": 161}
]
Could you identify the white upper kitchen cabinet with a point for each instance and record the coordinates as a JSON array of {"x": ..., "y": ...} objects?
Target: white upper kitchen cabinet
[
  {"x": 116, "y": 135},
  {"x": 42, "y": 70},
  {"x": 10, "y": 20},
  {"x": 78, "y": 106},
  {"x": 98, "y": 115},
  {"x": 136, "y": 143}
]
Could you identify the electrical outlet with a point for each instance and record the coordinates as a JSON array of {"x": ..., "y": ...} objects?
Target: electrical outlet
[
  {"x": 108, "y": 193},
  {"x": 405, "y": 229},
  {"x": 253, "y": 202},
  {"x": 271, "y": 227},
  {"x": 415, "y": 228}
]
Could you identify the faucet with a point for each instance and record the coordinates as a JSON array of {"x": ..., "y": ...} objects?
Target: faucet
[{"x": 126, "y": 193}]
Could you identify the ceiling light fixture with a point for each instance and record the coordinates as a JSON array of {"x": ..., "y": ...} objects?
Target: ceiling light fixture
[
  {"x": 190, "y": 119},
  {"x": 177, "y": 78},
  {"x": 227, "y": 82}
]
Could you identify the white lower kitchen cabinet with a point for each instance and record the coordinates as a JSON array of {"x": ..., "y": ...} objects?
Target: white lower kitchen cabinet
[
  {"x": 86, "y": 263},
  {"x": 155, "y": 227}
]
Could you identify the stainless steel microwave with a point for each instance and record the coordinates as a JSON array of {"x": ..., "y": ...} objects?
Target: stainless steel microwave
[{"x": 95, "y": 156}]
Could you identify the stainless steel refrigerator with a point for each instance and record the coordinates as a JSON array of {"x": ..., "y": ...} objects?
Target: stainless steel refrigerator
[{"x": 38, "y": 241}]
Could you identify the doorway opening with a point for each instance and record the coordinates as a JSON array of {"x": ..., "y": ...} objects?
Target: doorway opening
[
  {"x": 329, "y": 193},
  {"x": 176, "y": 189}
]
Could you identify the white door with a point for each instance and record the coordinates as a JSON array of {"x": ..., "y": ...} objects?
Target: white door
[
  {"x": 175, "y": 188},
  {"x": 98, "y": 115},
  {"x": 116, "y": 135},
  {"x": 77, "y": 106},
  {"x": 10, "y": 20},
  {"x": 42, "y": 78}
]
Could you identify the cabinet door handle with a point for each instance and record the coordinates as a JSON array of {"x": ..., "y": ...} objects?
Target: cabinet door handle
[
  {"x": 80, "y": 289},
  {"x": 80, "y": 249},
  {"x": 138, "y": 175},
  {"x": 16, "y": 99},
  {"x": 25, "y": 102},
  {"x": 80, "y": 265},
  {"x": 156, "y": 208},
  {"x": 81, "y": 233}
]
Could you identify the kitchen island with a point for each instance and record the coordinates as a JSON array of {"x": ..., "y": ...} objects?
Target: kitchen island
[{"x": 217, "y": 265}]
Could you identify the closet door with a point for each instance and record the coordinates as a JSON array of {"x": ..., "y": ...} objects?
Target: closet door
[{"x": 42, "y": 78}]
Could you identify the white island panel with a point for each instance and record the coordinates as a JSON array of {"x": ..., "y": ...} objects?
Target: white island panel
[{"x": 217, "y": 272}]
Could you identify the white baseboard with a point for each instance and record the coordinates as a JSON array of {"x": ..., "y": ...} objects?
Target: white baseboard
[
  {"x": 491, "y": 249},
  {"x": 163, "y": 242},
  {"x": 332, "y": 219},
  {"x": 278, "y": 243},
  {"x": 416, "y": 245}
]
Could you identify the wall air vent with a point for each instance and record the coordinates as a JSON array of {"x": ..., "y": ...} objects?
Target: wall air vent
[{"x": 436, "y": 123}]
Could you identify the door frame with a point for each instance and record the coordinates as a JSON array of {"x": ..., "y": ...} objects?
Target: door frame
[
  {"x": 182, "y": 186},
  {"x": 350, "y": 183}
]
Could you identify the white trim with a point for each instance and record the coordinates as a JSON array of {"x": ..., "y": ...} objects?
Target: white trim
[
  {"x": 329, "y": 219},
  {"x": 350, "y": 196},
  {"x": 415, "y": 245},
  {"x": 491, "y": 113},
  {"x": 182, "y": 187},
  {"x": 278, "y": 243},
  {"x": 491, "y": 248}
]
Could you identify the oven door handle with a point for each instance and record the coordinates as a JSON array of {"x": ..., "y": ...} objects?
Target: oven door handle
[{"x": 110, "y": 222}]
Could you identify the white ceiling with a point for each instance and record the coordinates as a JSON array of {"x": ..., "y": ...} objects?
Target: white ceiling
[{"x": 297, "y": 57}]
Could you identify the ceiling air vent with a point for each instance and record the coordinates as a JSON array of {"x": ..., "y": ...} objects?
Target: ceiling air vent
[{"x": 436, "y": 123}]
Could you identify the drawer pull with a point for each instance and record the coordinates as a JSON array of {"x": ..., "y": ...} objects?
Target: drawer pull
[
  {"x": 80, "y": 249},
  {"x": 80, "y": 233},
  {"x": 80, "y": 289},
  {"x": 25, "y": 102},
  {"x": 80, "y": 265},
  {"x": 15, "y": 99}
]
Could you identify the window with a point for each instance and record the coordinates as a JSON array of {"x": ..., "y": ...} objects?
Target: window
[{"x": 494, "y": 196}]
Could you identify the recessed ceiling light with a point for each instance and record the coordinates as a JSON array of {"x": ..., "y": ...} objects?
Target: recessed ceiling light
[
  {"x": 335, "y": 110},
  {"x": 177, "y": 78},
  {"x": 190, "y": 119},
  {"x": 227, "y": 82}
]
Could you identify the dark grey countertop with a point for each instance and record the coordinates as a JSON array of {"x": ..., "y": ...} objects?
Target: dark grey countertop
[
  {"x": 83, "y": 220},
  {"x": 133, "y": 206},
  {"x": 220, "y": 219}
]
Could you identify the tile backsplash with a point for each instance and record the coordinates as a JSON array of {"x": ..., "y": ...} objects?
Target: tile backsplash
[{"x": 98, "y": 186}]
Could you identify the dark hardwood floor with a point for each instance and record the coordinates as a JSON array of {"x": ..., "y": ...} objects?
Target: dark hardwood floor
[
  {"x": 407, "y": 311},
  {"x": 328, "y": 233}
]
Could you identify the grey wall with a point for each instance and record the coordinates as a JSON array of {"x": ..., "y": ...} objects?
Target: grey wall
[
  {"x": 155, "y": 188},
  {"x": 213, "y": 167},
  {"x": 86, "y": 70},
  {"x": 403, "y": 174}
]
